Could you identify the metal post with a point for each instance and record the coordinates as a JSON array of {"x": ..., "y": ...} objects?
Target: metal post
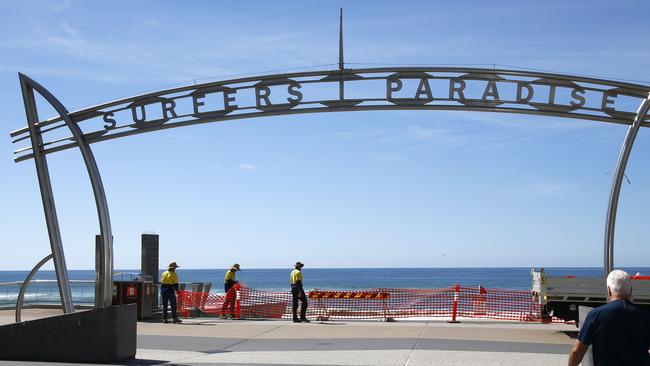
[
  {"x": 47, "y": 197},
  {"x": 99, "y": 270},
  {"x": 618, "y": 180},
  {"x": 454, "y": 306},
  {"x": 105, "y": 275},
  {"x": 341, "y": 64}
]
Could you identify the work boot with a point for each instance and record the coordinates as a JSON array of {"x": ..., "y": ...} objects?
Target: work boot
[
  {"x": 176, "y": 320},
  {"x": 296, "y": 320},
  {"x": 165, "y": 321}
]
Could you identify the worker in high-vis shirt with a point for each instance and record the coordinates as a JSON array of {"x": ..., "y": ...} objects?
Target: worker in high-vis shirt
[
  {"x": 168, "y": 289},
  {"x": 298, "y": 293},
  {"x": 228, "y": 308}
]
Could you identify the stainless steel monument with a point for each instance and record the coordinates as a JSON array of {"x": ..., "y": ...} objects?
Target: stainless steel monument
[{"x": 339, "y": 90}]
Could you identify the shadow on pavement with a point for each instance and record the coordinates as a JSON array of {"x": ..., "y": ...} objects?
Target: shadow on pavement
[{"x": 573, "y": 334}]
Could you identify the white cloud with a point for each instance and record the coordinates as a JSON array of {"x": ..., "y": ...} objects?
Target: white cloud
[
  {"x": 69, "y": 30},
  {"x": 244, "y": 166},
  {"x": 472, "y": 132},
  {"x": 435, "y": 135},
  {"x": 357, "y": 135},
  {"x": 171, "y": 61},
  {"x": 427, "y": 136},
  {"x": 64, "y": 5},
  {"x": 544, "y": 189}
]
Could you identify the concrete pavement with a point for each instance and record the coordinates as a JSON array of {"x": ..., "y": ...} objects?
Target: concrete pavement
[{"x": 411, "y": 343}]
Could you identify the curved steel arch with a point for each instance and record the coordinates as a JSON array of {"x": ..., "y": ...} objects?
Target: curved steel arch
[
  {"x": 619, "y": 173},
  {"x": 23, "y": 286},
  {"x": 110, "y": 127},
  {"x": 438, "y": 88},
  {"x": 104, "y": 276}
]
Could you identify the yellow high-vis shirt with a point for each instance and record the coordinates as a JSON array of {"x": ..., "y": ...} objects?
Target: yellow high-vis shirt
[
  {"x": 230, "y": 276},
  {"x": 169, "y": 278},
  {"x": 296, "y": 275}
]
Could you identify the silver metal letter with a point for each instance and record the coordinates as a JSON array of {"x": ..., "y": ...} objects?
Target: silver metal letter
[
  {"x": 551, "y": 94},
  {"x": 491, "y": 91},
  {"x": 226, "y": 100},
  {"x": 577, "y": 94},
  {"x": 456, "y": 86},
  {"x": 424, "y": 88},
  {"x": 392, "y": 85},
  {"x": 168, "y": 106},
  {"x": 196, "y": 103},
  {"x": 135, "y": 114},
  {"x": 606, "y": 101},
  {"x": 293, "y": 90},
  {"x": 259, "y": 95},
  {"x": 110, "y": 121},
  {"x": 529, "y": 94}
]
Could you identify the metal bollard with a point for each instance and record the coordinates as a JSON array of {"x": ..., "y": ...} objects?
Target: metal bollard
[
  {"x": 454, "y": 309},
  {"x": 237, "y": 289}
]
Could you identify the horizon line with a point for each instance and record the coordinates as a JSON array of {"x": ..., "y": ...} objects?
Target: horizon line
[{"x": 289, "y": 267}]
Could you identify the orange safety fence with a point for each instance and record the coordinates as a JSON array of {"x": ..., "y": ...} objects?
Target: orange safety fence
[
  {"x": 449, "y": 302},
  {"x": 639, "y": 277}
]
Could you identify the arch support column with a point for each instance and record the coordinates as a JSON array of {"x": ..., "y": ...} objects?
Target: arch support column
[
  {"x": 619, "y": 174},
  {"x": 47, "y": 197},
  {"x": 104, "y": 276}
]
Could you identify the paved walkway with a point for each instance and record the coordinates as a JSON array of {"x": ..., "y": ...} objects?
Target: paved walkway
[{"x": 279, "y": 342}]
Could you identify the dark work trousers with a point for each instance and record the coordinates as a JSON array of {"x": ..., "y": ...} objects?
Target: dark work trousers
[
  {"x": 168, "y": 297},
  {"x": 229, "y": 303},
  {"x": 297, "y": 293}
]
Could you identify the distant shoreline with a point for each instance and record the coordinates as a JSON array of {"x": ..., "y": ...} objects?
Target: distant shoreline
[{"x": 346, "y": 268}]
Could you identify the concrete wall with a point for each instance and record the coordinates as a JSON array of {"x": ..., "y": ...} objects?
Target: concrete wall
[{"x": 98, "y": 335}]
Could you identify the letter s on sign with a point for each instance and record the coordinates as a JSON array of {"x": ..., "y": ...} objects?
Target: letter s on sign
[
  {"x": 293, "y": 90},
  {"x": 110, "y": 121}
]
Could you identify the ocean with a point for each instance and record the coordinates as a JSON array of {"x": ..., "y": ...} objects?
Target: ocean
[{"x": 352, "y": 278}]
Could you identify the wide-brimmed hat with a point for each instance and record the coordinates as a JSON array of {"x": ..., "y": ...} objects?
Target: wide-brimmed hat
[
  {"x": 298, "y": 264},
  {"x": 173, "y": 265},
  {"x": 235, "y": 266}
]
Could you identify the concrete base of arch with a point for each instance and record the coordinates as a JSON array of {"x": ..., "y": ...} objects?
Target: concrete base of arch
[{"x": 93, "y": 336}]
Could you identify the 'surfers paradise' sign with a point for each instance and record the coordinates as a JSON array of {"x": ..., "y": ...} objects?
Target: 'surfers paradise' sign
[
  {"x": 367, "y": 89},
  {"x": 395, "y": 88},
  {"x": 288, "y": 95}
]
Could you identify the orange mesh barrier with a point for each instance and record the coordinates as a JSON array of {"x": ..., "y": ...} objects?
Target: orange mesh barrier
[
  {"x": 449, "y": 302},
  {"x": 639, "y": 277}
]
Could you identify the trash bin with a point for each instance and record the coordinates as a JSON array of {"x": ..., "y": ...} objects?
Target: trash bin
[{"x": 142, "y": 293}]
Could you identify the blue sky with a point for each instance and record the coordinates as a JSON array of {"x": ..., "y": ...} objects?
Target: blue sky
[{"x": 361, "y": 189}]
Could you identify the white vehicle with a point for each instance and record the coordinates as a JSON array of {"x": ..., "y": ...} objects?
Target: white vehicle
[{"x": 562, "y": 295}]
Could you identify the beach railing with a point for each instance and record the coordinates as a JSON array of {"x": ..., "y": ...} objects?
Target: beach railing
[{"x": 46, "y": 293}]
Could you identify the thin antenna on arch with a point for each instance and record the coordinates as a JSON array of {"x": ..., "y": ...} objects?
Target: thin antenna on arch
[{"x": 341, "y": 65}]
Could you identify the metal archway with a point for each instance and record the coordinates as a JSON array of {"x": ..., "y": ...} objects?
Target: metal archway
[
  {"x": 403, "y": 88},
  {"x": 104, "y": 279}
]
